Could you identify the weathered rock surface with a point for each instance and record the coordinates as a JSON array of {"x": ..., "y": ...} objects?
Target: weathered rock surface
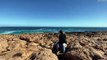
[
  {"x": 3, "y": 45},
  {"x": 44, "y": 54},
  {"x": 81, "y": 46}
]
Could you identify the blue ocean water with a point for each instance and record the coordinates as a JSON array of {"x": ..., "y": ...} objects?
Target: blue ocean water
[{"x": 21, "y": 30}]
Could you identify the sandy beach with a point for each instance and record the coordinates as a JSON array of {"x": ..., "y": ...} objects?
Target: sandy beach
[{"x": 81, "y": 46}]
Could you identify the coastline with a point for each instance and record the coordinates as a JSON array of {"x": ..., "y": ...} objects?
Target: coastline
[{"x": 86, "y": 46}]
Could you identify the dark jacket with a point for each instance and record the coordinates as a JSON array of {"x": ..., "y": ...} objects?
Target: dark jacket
[{"x": 62, "y": 39}]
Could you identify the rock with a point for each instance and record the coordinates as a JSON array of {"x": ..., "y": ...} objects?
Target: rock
[
  {"x": 69, "y": 56},
  {"x": 33, "y": 44},
  {"x": 12, "y": 55},
  {"x": 27, "y": 54},
  {"x": 24, "y": 37},
  {"x": 2, "y": 58},
  {"x": 85, "y": 46},
  {"x": 77, "y": 54},
  {"x": 16, "y": 45},
  {"x": 96, "y": 54},
  {"x": 3, "y": 45},
  {"x": 44, "y": 54},
  {"x": 77, "y": 45}
]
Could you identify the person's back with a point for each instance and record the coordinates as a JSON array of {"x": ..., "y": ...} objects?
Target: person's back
[
  {"x": 62, "y": 41},
  {"x": 62, "y": 38},
  {"x": 61, "y": 45}
]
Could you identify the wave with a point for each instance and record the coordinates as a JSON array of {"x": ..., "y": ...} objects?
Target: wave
[
  {"x": 20, "y": 32},
  {"x": 8, "y": 32}
]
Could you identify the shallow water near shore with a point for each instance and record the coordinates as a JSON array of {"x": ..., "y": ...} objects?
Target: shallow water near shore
[{"x": 21, "y": 30}]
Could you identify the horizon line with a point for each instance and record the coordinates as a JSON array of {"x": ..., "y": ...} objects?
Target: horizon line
[{"x": 57, "y": 26}]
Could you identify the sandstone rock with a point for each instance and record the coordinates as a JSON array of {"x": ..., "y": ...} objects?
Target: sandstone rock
[
  {"x": 16, "y": 45},
  {"x": 77, "y": 54},
  {"x": 2, "y": 58},
  {"x": 3, "y": 45},
  {"x": 77, "y": 45},
  {"x": 44, "y": 54},
  {"x": 69, "y": 56},
  {"x": 96, "y": 54},
  {"x": 25, "y": 37},
  {"x": 13, "y": 55},
  {"x": 27, "y": 54},
  {"x": 85, "y": 46}
]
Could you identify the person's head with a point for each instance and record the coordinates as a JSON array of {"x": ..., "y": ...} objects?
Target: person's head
[{"x": 61, "y": 32}]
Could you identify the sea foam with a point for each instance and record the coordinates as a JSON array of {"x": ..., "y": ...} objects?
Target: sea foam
[{"x": 8, "y": 32}]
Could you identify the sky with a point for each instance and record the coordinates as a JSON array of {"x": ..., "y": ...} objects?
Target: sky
[{"x": 65, "y": 13}]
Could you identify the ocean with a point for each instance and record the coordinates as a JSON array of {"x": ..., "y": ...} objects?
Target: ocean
[{"x": 22, "y": 30}]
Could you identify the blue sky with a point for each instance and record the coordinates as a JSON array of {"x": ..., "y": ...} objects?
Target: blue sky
[{"x": 74, "y": 13}]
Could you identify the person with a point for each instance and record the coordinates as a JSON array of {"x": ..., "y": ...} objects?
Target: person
[
  {"x": 61, "y": 44},
  {"x": 62, "y": 41}
]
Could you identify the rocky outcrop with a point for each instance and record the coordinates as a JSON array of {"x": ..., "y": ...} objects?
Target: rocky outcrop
[{"x": 81, "y": 46}]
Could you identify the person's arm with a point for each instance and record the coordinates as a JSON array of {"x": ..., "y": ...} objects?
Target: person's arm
[
  {"x": 59, "y": 38},
  {"x": 65, "y": 38}
]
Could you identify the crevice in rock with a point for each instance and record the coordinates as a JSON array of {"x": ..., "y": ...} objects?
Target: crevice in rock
[
  {"x": 61, "y": 57},
  {"x": 17, "y": 54},
  {"x": 32, "y": 56}
]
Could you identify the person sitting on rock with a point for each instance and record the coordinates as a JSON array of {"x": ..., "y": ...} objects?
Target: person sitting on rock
[
  {"x": 62, "y": 41},
  {"x": 61, "y": 44}
]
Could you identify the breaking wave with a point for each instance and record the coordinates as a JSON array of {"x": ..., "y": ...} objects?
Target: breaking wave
[{"x": 8, "y": 32}]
